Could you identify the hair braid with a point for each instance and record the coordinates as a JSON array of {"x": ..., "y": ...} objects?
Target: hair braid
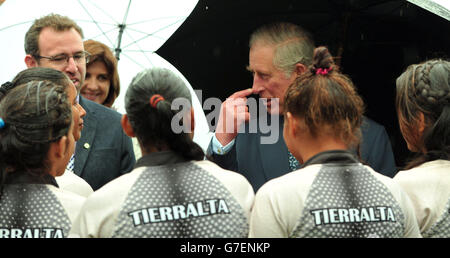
[
  {"x": 425, "y": 88},
  {"x": 33, "y": 118}
]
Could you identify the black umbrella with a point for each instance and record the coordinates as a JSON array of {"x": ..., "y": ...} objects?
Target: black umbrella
[{"x": 373, "y": 41}]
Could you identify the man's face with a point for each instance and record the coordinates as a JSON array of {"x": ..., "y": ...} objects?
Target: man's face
[
  {"x": 69, "y": 42},
  {"x": 268, "y": 81}
]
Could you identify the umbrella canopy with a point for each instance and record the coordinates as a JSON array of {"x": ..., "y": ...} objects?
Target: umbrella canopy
[
  {"x": 438, "y": 7},
  {"x": 133, "y": 29},
  {"x": 372, "y": 40}
]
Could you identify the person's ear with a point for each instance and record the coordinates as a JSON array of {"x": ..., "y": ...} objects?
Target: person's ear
[
  {"x": 126, "y": 126},
  {"x": 192, "y": 120},
  {"x": 292, "y": 124},
  {"x": 30, "y": 61},
  {"x": 57, "y": 152},
  {"x": 299, "y": 69},
  {"x": 421, "y": 124},
  {"x": 189, "y": 123},
  {"x": 59, "y": 148}
]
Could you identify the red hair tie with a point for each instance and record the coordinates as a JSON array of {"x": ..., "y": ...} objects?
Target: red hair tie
[
  {"x": 155, "y": 99},
  {"x": 323, "y": 71}
]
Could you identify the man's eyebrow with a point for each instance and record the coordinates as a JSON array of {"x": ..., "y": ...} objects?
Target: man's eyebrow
[
  {"x": 60, "y": 54},
  {"x": 257, "y": 72},
  {"x": 74, "y": 53}
]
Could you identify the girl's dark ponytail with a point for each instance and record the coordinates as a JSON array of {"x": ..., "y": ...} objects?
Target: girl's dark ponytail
[
  {"x": 180, "y": 143},
  {"x": 148, "y": 103}
]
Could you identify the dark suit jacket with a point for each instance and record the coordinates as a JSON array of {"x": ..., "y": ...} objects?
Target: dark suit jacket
[
  {"x": 103, "y": 152},
  {"x": 260, "y": 163}
]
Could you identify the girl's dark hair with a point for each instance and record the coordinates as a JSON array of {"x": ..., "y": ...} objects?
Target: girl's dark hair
[
  {"x": 41, "y": 74},
  {"x": 425, "y": 88},
  {"x": 35, "y": 74},
  {"x": 153, "y": 125},
  {"x": 324, "y": 96},
  {"x": 5, "y": 88},
  {"x": 35, "y": 115}
]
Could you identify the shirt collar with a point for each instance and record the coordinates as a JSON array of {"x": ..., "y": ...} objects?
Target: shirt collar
[
  {"x": 159, "y": 158},
  {"x": 332, "y": 156}
]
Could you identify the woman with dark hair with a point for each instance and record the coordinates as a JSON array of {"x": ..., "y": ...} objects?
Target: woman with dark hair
[
  {"x": 69, "y": 180},
  {"x": 173, "y": 191},
  {"x": 36, "y": 142},
  {"x": 332, "y": 194},
  {"x": 423, "y": 108},
  {"x": 102, "y": 84}
]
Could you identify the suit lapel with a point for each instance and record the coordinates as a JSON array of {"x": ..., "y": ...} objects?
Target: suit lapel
[
  {"x": 274, "y": 157},
  {"x": 84, "y": 144}
]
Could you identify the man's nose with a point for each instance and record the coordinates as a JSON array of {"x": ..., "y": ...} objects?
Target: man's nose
[
  {"x": 82, "y": 110},
  {"x": 71, "y": 65},
  {"x": 257, "y": 85}
]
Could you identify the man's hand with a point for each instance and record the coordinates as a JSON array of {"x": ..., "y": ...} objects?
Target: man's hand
[{"x": 233, "y": 113}]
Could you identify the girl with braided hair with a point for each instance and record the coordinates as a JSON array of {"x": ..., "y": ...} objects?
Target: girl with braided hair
[
  {"x": 332, "y": 194},
  {"x": 36, "y": 142},
  {"x": 173, "y": 191},
  {"x": 423, "y": 108},
  {"x": 69, "y": 180}
]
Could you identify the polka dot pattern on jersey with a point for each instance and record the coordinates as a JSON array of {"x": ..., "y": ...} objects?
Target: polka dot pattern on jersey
[
  {"x": 181, "y": 201},
  {"x": 348, "y": 201},
  {"x": 440, "y": 229},
  {"x": 32, "y": 210}
]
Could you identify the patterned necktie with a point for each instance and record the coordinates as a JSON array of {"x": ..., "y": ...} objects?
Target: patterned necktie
[
  {"x": 71, "y": 165},
  {"x": 293, "y": 162}
]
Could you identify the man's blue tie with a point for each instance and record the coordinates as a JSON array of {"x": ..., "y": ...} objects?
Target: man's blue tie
[{"x": 71, "y": 165}]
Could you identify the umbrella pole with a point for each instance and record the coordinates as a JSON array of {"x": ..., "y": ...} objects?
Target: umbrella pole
[
  {"x": 121, "y": 29},
  {"x": 119, "y": 40}
]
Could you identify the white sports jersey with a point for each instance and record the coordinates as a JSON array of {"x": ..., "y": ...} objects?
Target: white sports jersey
[
  {"x": 69, "y": 181},
  {"x": 333, "y": 195},
  {"x": 36, "y": 208},
  {"x": 166, "y": 196},
  {"x": 428, "y": 187}
]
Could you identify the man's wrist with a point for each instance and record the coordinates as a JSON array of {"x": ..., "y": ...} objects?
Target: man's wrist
[
  {"x": 218, "y": 148},
  {"x": 224, "y": 138}
]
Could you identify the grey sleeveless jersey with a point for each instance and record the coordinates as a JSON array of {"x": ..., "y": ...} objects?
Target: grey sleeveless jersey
[
  {"x": 180, "y": 200},
  {"x": 440, "y": 229},
  {"x": 32, "y": 211},
  {"x": 346, "y": 200}
]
